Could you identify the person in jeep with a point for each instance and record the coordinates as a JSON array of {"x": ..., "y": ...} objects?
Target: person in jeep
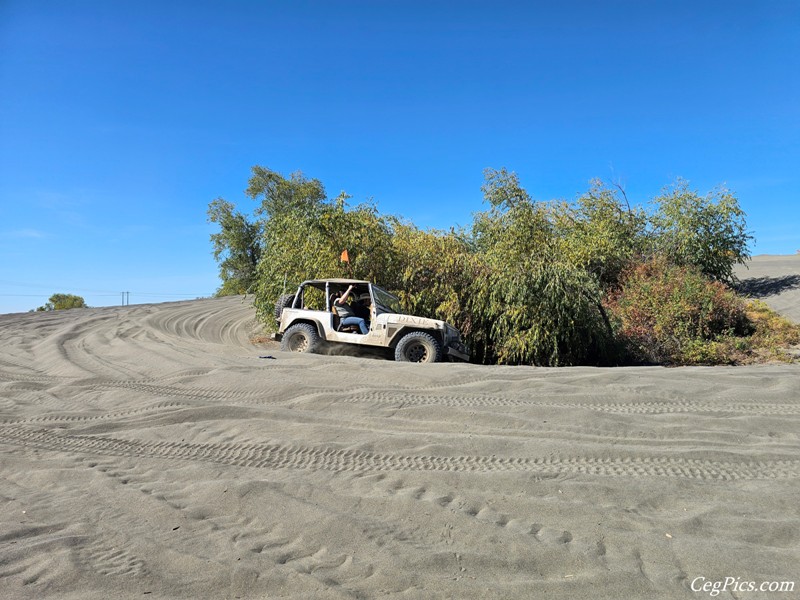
[{"x": 347, "y": 313}]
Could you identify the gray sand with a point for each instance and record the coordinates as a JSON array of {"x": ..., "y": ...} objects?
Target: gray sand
[
  {"x": 148, "y": 451},
  {"x": 776, "y": 280}
]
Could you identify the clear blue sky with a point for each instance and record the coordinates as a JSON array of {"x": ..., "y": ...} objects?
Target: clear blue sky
[{"x": 121, "y": 121}]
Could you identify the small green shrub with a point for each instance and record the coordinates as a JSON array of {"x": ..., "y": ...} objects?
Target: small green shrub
[{"x": 63, "y": 302}]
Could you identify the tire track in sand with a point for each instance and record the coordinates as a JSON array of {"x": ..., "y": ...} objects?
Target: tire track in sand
[
  {"x": 154, "y": 389},
  {"x": 654, "y": 407},
  {"x": 285, "y": 456},
  {"x": 157, "y": 409}
]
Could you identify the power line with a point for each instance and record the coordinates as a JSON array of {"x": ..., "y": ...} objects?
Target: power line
[
  {"x": 43, "y": 286},
  {"x": 94, "y": 292},
  {"x": 204, "y": 295},
  {"x": 24, "y": 295},
  {"x": 106, "y": 295}
]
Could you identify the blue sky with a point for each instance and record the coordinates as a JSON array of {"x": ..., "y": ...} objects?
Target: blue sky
[{"x": 121, "y": 121}]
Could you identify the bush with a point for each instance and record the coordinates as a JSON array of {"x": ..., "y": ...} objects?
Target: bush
[
  {"x": 432, "y": 272},
  {"x": 532, "y": 304},
  {"x": 530, "y": 282},
  {"x": 601, "y": 232},
  {"x": 303, "y": 234},
  {"x": 772, "y": 335},
  {"x": 237, "y": 247},
  {"x": 63, "y": 302},
  {"x": 707, "y": 232},
  {"x": 547, "y": 314},
  {"x": 671, "y": 314}
]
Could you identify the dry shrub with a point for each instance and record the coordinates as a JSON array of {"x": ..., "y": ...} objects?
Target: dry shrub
[
  {"x": 773, "y": 335},
  {"x": 670, "y": 314}
]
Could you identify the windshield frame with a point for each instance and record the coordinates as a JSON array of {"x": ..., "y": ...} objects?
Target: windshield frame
[{"x": 385, "y": 302}]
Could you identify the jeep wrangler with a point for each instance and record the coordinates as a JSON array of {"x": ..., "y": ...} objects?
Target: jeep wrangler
[{"x": 307, "y": 319}]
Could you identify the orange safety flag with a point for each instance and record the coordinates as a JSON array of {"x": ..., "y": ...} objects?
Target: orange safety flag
[{"x": 345, "y": 257}]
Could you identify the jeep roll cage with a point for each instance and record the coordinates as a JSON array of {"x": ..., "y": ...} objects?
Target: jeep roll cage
[{"x": 383, "y": 300}]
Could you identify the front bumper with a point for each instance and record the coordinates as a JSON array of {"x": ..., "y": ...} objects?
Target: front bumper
[{"x": 458, "y": 351}]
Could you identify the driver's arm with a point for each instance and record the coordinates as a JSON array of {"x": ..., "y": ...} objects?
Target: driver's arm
[{"x": 344, "y": 297}]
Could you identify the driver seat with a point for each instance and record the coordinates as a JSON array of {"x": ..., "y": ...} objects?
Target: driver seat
[{"x": 337, "y": 325}]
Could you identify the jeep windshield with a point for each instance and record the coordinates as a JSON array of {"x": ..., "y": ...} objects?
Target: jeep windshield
[{"x": 384, "y": 301}]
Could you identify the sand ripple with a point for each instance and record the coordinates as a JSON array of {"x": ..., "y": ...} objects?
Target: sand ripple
[{"x": 152, "y": 450}]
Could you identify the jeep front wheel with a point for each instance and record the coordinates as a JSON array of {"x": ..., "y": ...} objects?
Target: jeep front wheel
[
  {"x": 300, "y": 338},
  {"x": 418, "y": 347}
]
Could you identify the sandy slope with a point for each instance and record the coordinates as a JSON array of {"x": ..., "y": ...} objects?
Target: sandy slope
[
  {"x": 147, "y": 451},
  {"x": 776, "y": 280}
]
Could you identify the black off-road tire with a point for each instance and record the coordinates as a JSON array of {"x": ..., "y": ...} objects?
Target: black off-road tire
[
  {"x": 284, "y": 301},
  {"x": 419, "y": 347},
  {"x": 301, "y": 337}
]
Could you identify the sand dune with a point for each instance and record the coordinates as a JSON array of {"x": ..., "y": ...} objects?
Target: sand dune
[
  {"x": 153, "y": 451},
  {"x": 776, "y": 280}
]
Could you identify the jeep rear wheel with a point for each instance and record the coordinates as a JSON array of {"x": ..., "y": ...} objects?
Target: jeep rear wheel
[
  {"x": 418, "y": 347},
  {"x": 300, "y": 338}
]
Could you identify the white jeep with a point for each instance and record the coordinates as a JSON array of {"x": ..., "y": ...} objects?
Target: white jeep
[{"x": 307, "y": 320}]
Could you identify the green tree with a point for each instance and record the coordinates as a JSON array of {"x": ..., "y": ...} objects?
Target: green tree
[
  {"x": 237, "y": 247},
  {"x": 529, "y": 283},
  {"x": 708, "y": 232},
  {"x": 304, "y": 234},
  {"x": 433, "y": 272},
  {"x": 534, "y": 305},
  {"x": 63, "y": 302},
  {"x": 601, "y": 232}
]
